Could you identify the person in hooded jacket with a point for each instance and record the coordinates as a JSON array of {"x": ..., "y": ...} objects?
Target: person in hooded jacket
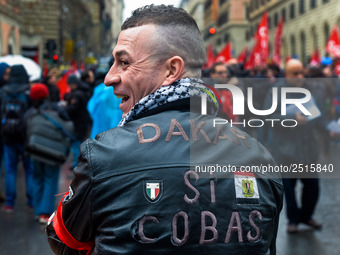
[
  {"x": 76, "y": 107},
  {"x": 14, "y": 145},
  {"x": 51, "y": 83},
  {"x": 45, "y": 175},
  {"x": 4, "y": 76},
  {"x": 4, "y": 73},
  {"x": 104, "y": 110},
  {"x": 87, "y": 76}
]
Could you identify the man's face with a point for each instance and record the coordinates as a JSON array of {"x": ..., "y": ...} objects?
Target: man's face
[
  {"x": 73, "y": 86},
  {"x": 53, "y": 80},
  {"x": 6, "y": 74},
  {"x": 91, "y": 77},
  {"x": 294, "y": 74},
  {"x": 220, "y": 72},
  {"x": 327, "y": 72},
  {"x": 135, "y": 73}
]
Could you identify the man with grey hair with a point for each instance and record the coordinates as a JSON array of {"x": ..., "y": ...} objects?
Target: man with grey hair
[{"x": 141, "y": 188}]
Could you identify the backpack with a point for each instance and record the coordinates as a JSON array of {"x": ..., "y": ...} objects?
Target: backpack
[
  {"x": 13, "y": 107},
  {"x": 49, "y": 137}
]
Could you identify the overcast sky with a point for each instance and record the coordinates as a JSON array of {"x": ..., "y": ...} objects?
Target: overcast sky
[{"x": 130, "y": 5}]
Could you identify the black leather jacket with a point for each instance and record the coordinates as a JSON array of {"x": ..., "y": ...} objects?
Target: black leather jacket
[{"x": 142, "y": 189}]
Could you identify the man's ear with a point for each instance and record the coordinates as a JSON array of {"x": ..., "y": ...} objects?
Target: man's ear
[{"x": 174, "y": 70}]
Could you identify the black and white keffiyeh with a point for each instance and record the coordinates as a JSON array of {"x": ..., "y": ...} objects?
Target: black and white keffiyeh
[{"x": 180, "y": 89}]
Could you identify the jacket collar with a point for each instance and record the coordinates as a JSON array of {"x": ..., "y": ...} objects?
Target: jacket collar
[{"x": 179, "y": 94}]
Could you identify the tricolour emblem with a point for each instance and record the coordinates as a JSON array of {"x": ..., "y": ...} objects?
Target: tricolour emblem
[
  {"x": 153, "y": 190},
  {"x": 246, "y": 189}
]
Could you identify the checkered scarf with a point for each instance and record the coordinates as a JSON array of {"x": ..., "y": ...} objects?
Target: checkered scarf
[{"x": 180, "y": 89}]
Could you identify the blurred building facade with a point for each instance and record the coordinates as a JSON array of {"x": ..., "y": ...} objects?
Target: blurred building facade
[
  {"x": 39, "y": 27},
  {"x": 307, "y": 23},
  {"x": 59, "y": 30},
  {"x": 196, "y": 10},
  {"x": 113, "y": 13},
  {"x": 9, "y": 27},
  {"x": 229, "y": 18}
]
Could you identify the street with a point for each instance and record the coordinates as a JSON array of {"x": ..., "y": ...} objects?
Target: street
[{"x": 21, "y": 234}]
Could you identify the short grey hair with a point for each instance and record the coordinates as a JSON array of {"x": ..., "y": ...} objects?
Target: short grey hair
[{"x": 177, "y": 35}]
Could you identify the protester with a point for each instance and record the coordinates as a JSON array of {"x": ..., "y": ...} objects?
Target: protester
[
  {"x": 14, "y": 104},
  {"x": 76, "y": 108},
  {"x": 218, "y": 71},
  {"x": 297, "y": 145},
  {"x": 133, "y": 191},
  {"x": 4, "y": 73},
  {"x": 104, "y": 111},
  {"x": 87, "y": 76},
  {"x": 45, "y": 175},
  {"x": 86, "y": 83},
  {"x": 219, "y": 74},
  {"x": 4, "y": 76},
  {"x": 51, "y": 82}
]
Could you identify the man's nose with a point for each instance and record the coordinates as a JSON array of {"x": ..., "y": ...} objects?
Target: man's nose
[
  {"x": 301, "y": 76},
  {"x": 112, "y": 77}
]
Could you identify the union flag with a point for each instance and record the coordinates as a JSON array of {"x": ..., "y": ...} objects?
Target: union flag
[{"x": 333, "y": 43}]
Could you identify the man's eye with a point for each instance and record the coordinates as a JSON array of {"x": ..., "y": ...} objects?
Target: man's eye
[{"x": 124, "y": 62}]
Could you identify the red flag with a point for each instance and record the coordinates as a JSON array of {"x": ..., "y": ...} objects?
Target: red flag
[
  {"x": 260, "y": 51},
  {"x": 225, "y": 54},
  {"x": 82, "y": 66},
  {"x": 62, "y": 84},
  {"x": 333, "y": 43},
  {"x": 262, "y": 42},
  {"x": 250, "y": 60},
  {"x": 242, "y": 57},
  {"x": 210, "y": 57},
  {"x": 337, "y": 68},
  {"x": 36, "y": 57},
  {"x": 74, "y": 65},
  {"x": 278, "y": 43},
  {"x": 45, "y": 68},
  {"x": 315, "y": 59},
  {"x": 257, "y": 58}
]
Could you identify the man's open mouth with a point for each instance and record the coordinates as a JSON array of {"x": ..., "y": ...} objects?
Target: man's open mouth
[{"x": 123, "y": 97}]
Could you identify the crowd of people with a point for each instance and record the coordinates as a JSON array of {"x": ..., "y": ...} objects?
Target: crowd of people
[
  {"x": 20, "y": 99},
  {"x": 134, "y": 190},
  {"x": 302, "y": 144},
  {"x": 129, "y": 173},
  {"x": 93, "y": 108}
]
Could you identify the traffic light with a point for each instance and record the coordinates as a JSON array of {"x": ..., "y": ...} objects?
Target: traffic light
[
  {"x": 51, "y": 48},
  {"x": 55, "y": 59}
]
